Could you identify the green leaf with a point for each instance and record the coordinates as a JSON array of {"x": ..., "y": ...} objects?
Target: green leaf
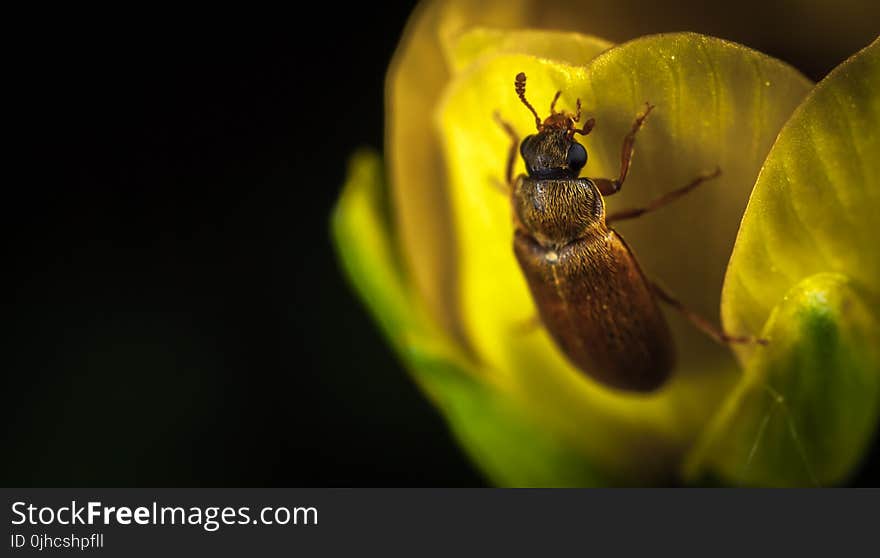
[
  {"x": 500, "y": 437},
  {"x": 807, "y": 407},
  {"x": 806, "y": 263},
  {"x": 814, "y": 206},
  {"x": 361, "y": 233},
  {"x": 717, "y": 104}
]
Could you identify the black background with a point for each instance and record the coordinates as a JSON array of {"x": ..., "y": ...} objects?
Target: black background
[{"x": 176, "y": 315}]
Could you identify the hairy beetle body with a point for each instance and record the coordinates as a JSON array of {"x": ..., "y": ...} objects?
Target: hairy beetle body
[{"x": 590, "y": 292}]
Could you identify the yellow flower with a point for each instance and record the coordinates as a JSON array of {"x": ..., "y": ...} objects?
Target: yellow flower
[{"x": 441, "y": 278}]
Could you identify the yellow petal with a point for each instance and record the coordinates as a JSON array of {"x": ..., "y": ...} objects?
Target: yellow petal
[
  {"x": 806, "y": 263},
  {"x": 717, "y": 104},
  {"x": 420, "y": 71},
  {"x": 417, "y": 75},
  {"x": 571, "y": 48},
  {"x": 814, "y": 207}
]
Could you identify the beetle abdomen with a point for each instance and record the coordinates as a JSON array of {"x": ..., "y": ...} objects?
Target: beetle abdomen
[{"x": 597, "y": 305}]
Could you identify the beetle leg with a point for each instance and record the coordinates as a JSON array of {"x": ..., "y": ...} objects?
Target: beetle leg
[
  {"x": 500, "y": 186},
  {"x": 608, "y": 186},
  {"x": 528, "y": 326},
  {"x": 514, "y": 144},
  {"x": 665, "y": 199},
  {"x": 702, "y": 323}
]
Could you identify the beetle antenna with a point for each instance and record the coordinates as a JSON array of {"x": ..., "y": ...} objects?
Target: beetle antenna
[
  {"x": 520, "y": 86},
  {"x": 553, "y": 104}
]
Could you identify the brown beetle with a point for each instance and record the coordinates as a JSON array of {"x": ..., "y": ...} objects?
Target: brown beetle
[{"x": 591, "y": 294}]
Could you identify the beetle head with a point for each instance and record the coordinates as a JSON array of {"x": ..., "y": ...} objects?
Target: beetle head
[{"x": 553, "y": 152}]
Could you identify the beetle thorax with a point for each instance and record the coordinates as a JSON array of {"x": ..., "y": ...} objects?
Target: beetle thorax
[{"x": 556, "y": 212}]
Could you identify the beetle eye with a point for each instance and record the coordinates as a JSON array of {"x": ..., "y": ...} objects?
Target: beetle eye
[
  {"x": 524, "y": 144},
  {"x": 577, "y": 156}
]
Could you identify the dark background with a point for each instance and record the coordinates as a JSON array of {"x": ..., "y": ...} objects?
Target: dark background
[{"x": 176, "y": 314}]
